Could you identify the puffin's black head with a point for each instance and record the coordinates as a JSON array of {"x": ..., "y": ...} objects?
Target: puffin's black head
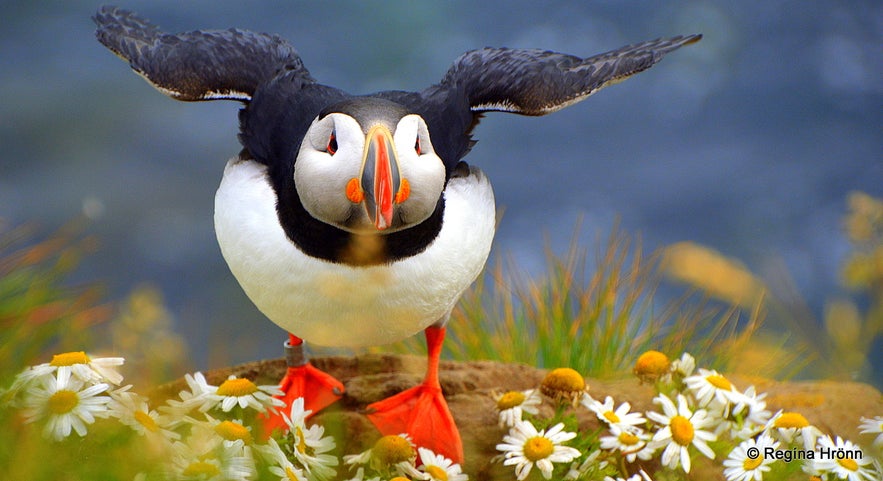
[{"x": 367, "y": 165}]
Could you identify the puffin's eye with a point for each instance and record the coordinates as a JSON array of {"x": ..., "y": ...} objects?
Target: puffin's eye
[
  {"x": 331, "y": 148},
  {"x": 417, "y": 147}
]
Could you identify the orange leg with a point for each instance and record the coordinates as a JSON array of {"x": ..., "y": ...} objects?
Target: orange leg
[
  {"x": 422, "y": 411},
  {"x": 319, "y": 389}
]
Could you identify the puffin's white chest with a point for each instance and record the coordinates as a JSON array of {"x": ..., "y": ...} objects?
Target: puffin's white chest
[{"x": 335, "y": 304}]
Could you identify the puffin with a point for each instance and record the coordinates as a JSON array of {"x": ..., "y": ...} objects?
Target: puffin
[{"x": 353, "y": 220}]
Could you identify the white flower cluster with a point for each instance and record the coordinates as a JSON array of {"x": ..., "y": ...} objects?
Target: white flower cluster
[
  {"x": 205, "y": 433},
  {"x": 697, "y": 410}
]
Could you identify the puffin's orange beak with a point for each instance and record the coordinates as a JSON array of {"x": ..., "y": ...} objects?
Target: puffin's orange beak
[
  {"x": 380, "y": 185},
  {"x": 380, "y": 176}
]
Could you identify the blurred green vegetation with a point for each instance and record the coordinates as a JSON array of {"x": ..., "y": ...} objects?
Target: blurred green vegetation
[
  {"x": 42, "y": 314},
  {"x": 598, "y": 320},
  {"x": 39, "y": 312}
]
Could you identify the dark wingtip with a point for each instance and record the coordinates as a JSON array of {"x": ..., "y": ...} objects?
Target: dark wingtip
[{"x": 693, "y": 38}]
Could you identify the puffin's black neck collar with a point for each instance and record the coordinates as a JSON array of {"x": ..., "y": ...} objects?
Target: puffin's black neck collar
[{"x": 324, "y": 241}]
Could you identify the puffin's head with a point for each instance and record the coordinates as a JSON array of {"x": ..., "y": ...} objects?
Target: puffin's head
[{"x": 367, "y": 165}]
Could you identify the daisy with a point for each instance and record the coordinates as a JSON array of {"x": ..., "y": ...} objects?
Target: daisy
[
  {"x": 791, "y": 426},
  {"x": 873, "y": 426},
  {"x": 684, "y": 366},
  {"x": 243, "y": 393},
  {"x": 191, "y": 462},
  {"x": 853, "y": 466},
  {"x": 97, "y": 370},
  {"x": 631, "y": 443},
  {"x": 23, "y": 381},
  {"x": 435, "y": 467},
  {"x": 66, "y": 404},
  {"x": 750, "y": 414},
  {"x": 394, "y": 452},
  {"x": 747, "y": 462},
  {"x": 309, "y": 445},
  {"x": 652, "y": 366},
  {"x": 580, "y": 469},
  {"x": 711, "y": 389},
  {"x": 210, "y": 434},
  {"x": 279, "y": 463},
  {"x": 524, "y": 446},
  {"x": 230, "y": 442},
  {"x": 513, "y": 404},
  {"x": 198, "y": 395},
  {"x": 682, "y": 428},
  {"x": 620, "y": 418},
  {"x": 564, "y": 385},
  {"x": 132, "y": 410},
  {"x": 89, "y": 371}
]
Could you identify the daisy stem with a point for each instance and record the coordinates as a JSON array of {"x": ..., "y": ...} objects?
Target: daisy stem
[{"x": 622, "y": 467}]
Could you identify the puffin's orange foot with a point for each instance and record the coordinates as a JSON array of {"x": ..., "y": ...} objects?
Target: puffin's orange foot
[
  {"x": 422, "y": 411},
  {"x": 318, "y": 388}
]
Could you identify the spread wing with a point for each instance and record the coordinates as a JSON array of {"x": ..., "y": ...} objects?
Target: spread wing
[
  {"x": 199, "y": 65},
  {"x": 538, "y": 82}
]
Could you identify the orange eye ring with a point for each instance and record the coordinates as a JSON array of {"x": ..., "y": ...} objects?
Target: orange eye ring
[{"x": 417, "y": 147}]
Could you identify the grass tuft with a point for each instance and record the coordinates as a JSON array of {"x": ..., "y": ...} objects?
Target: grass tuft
[{"x": 596, "y": 317}]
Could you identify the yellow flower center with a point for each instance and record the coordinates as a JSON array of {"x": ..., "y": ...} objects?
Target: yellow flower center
[
  {"x": 291, "y": 475},
  {"x": 564, "y": 379},
  {"x": 392, "y": 449},
  {"x": 510, "y": 400},
  {"x": 436, "y": 472},
  {"x": 201, "y": 468},
  {"x": 399, "y": 478},
  {"x": 628, "y": 438},
  {"x": 750, "y": 464},
  {"x": 563, "y": 384},
  {"x": 652, "y": 365},
  {"x": 69, "y": 359},
  {"x": 681, "y": 430},
  {"x": 237, "y": 387},
  {"x": 719, "y": 382},
  {"x": 611, "y": 416},
  {"x": 145, "y": 420},
  {"x": 232, "y": 431},
  {"x": 63, "y": 402},
  {"x": 791, "y": 420},
  {"x": 537, "y": 448},
  {"x": 849, "y": 464},
  {"x": 301, "y": 445}
]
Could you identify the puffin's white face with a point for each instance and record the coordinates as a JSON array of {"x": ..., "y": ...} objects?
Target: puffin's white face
[{"x": 384, "y": 181}]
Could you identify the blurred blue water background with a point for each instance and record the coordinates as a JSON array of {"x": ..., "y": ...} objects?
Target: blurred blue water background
[{"x": 748, "y": 142}]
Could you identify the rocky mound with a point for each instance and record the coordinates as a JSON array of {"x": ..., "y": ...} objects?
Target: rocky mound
[{"x": 834, "y": 407}]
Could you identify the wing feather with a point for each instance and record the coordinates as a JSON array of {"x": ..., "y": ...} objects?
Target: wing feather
[
  {"x": 199, "y": 65},
  {"x": 537, "y": 82}
]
